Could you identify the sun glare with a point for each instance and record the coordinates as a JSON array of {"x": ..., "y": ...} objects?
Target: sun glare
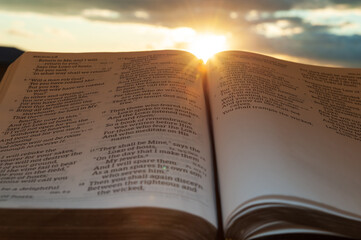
[{"x": 205, "y": 46}]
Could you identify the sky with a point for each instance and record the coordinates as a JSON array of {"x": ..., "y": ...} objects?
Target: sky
[{"x": 323, "y": 32}]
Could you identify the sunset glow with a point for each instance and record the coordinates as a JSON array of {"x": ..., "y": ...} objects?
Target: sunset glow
[
  {"x": 320, "y": 32},
  {"x": 206, "y": 45}
]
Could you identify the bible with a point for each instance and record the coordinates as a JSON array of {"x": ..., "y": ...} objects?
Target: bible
[{"x": 158, "y": 145}]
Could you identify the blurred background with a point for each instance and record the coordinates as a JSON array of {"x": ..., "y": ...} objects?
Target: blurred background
[{"x": 323, "y": 32}]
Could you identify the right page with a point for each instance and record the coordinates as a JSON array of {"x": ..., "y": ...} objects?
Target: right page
[{"x": 287, "y": 138}]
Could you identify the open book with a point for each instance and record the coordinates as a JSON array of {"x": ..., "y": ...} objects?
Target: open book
[{"x": 157, "y": 145}]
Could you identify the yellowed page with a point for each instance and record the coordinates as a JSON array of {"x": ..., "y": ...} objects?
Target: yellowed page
[
  {"x": 286, "y": 131},
  {"x": 106, "y": 130}
]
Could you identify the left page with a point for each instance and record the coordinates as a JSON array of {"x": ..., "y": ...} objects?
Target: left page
[{"x": 106, "y": 130}]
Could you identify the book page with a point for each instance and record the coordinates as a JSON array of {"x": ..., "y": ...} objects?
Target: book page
[
  {"x": 106, "y": 130},
  {"x": 286, "y": 131}
]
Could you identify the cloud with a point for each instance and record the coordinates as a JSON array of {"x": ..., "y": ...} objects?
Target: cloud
[
  {"x": 57, "y": 32},
  {"x": 348, "y": 3},
  {"x": 18, "y": 29},
  {"x": 278, "y": 28},
  {"x": 326, "y": 47},
  {"x": 141, "y": 14},
  {"x": 313, "y": 42},
  {"x": 100, "y": 13},
  {"x": 180, "y": 13},
  {"x": 295, "y": 27},
  {"x": 20, "y": 33},
  {"x": 160, "y": 7},
  {"x": 329, "y": 35},
  {"x": 198, "y": 14}
]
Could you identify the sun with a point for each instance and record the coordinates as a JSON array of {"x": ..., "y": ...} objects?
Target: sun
[{"x": 205, "y": 46}]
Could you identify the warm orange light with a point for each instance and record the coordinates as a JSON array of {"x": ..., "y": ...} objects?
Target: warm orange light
[{"x": 205, "y": 46}]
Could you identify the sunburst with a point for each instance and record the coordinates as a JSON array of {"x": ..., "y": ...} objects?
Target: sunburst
[{"x": 205, "y": 46}]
